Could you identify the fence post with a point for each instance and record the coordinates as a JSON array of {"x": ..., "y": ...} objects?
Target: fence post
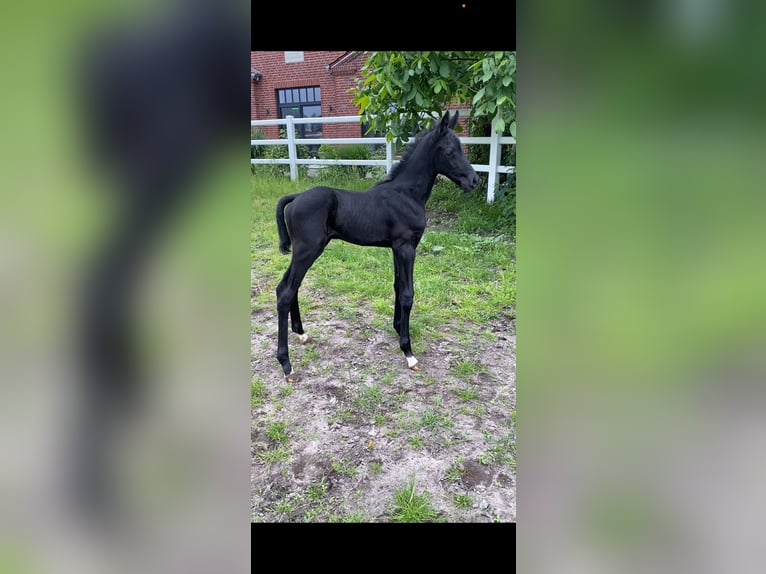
[
  {"x": 389, "y": 156},
  {"x": 494, "y": 160},
  {"x": 292, "y": 153}
]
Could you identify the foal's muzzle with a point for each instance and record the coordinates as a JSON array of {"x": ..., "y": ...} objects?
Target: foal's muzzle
[{"x": 469, "y": 182}]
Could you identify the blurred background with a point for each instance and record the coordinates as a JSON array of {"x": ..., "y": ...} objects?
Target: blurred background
[
  {"x": 124, "y": 287},
  {"x": 642, "y": 288}
]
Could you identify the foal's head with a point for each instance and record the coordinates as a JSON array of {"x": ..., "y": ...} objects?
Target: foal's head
[{"x": 449, "y": 159}]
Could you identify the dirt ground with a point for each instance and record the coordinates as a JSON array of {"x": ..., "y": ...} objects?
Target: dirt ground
[{"x": 359, "y": 425}]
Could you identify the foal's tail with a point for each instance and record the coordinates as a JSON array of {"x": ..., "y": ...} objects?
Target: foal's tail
[{"x": 284, "y": 236}]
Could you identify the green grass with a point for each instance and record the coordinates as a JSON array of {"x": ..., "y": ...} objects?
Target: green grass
[
  {"x": 376, "y": 467},
  {"x": 279, "y": 454},
  {"x": 464, "y": 273},
  {"x": 463, "y": 501},
  {"x": 412, "y": 506},
  {"x": 416, "y": 442},
  {"x": 344, "y": 467},
  {"x": 388, "y": 378},
  {"x": 257, "y": 392},
  {"x": 467, "y": 369},
  {"x": 368, "y": 400},
  {"x": 466, "y": 395},
  {"x": 503, "y": 450},
  {"x": 435, "y": 419},
  {"x": 454, "y": 473},
  {"x": 278, "y": 432},
  {"x": 287, "y": 505},
  {"x": 317, "y": 490}
]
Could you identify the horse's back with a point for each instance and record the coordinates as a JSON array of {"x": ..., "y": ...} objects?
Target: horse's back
[{"x": 315, "y": 199}]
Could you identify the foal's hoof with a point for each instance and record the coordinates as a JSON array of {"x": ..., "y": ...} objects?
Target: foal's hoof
[
  {"x": 292, "y": 377},
  {"x": 303, "y": 338},
  {"x": 412, "y": 363}
]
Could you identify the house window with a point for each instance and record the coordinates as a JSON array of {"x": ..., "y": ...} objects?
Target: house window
[{"x": 302, "y": 103}]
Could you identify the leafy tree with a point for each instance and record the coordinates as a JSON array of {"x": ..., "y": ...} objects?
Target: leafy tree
[{"x": 395, "y": 88}]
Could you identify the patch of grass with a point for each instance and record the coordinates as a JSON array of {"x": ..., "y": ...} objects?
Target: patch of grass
[
  {"x": 313, "y": 513},
  {"x": 376, "y": 466},
  {"x": 379, "y": 420},
  {"x": 286, "y": 390},
  {"x": 503, "y": 450},
  {"x": 434, "y": 419},
  {"x": 488, "y": 336},
  {"x": 412, "y": 506},
  {"x": 311, "y": 355},
  {"x": 257, "y": 392},
  {"x": 383, "y": 307},
  {"x": 471, "y": 211},
  {"x": 454, "y": 473},
  {"x": 342, "y": 414},
  {"x": 388, "y": 378},
  {"x": 287, "y": 505},
  {"x": 416, "y": 441},
  {"x": 368, "y": 399},
  {"x": 478, "y": 410},
  {"x": 465, "y": 395},
  {"x": 279, "y": 454},
  {"x": 317, "y": 490},
  {"x": 278, "y": 432},
  {"x": 463, "y": 501},
  {"x": 344, "y": 466},
  {"x": 466, "y": 369}
]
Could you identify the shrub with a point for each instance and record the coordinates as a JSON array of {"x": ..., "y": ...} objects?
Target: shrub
[
  {"x": 276, "y": 152},
  {"x": 349, "y": 151}
]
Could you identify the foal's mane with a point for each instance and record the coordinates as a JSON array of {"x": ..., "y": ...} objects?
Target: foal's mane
[{"x": 410, "y": 150}]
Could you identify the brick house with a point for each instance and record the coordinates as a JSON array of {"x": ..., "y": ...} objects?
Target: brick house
[
  {"x": 308, "y": 84},
  {"x": 305, "y": 84}
]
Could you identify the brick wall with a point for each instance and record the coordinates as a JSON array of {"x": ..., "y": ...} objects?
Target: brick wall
[{"x": 311, "y": 72}]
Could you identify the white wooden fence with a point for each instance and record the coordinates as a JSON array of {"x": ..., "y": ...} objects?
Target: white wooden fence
[{"x": 494, "y": 141}]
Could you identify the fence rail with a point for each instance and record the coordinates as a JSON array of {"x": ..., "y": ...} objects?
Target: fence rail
[{"x": 492, "y": 169}]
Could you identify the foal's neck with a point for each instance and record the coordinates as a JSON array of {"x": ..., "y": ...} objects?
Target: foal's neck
[
  {"x": 418, "y": 187},
  {"x": 417, "y": 178}
]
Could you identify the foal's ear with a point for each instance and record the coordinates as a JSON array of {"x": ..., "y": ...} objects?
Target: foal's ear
[
  {"x": 445, "y": 121},
  {"x": 453, "y": 120}
]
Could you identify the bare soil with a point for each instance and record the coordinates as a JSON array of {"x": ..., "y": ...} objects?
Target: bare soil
[{"x": 360, "y": 425}]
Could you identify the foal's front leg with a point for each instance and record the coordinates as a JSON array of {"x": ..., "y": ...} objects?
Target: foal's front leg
[
  {"x": 404, "y": 263},
  {"x": 295, "y": 321}
]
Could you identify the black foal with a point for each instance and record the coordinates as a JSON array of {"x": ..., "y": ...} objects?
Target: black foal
[{"x": 389, "y": 214}]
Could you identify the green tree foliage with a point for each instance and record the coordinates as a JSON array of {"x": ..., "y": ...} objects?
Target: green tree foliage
[{"x": 395, "y": 88}]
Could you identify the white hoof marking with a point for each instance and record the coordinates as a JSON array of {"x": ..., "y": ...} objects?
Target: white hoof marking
[
  {"x": 303, "y": 338},
  {"x": 411, "y": 361}
]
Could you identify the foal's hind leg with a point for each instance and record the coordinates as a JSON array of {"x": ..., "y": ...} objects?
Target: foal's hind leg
[
  {"x": 397, "y": 306},
  {"x": 287, "y": 299}
]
